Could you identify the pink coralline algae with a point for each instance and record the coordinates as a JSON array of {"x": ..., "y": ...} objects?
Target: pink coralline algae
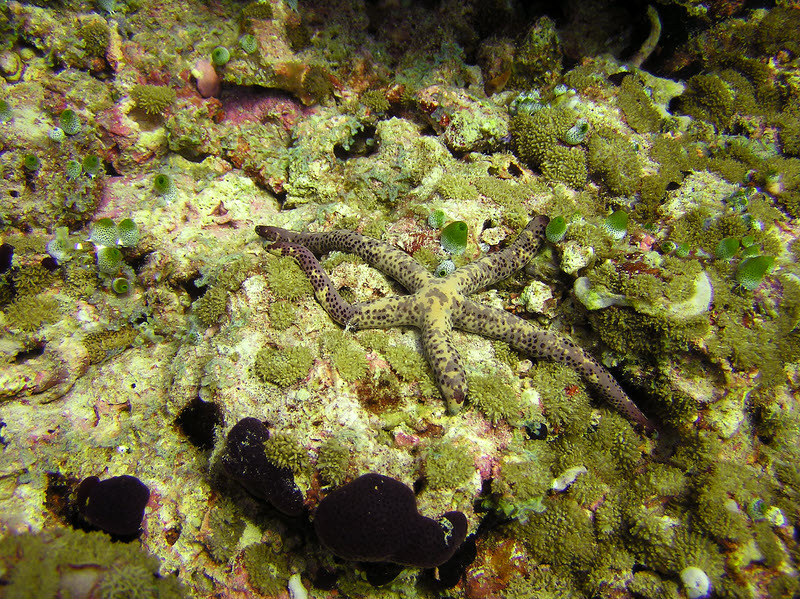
[{"x": 249, "y": 106}]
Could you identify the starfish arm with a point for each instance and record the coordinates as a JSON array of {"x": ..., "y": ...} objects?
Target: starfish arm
[
  {"x": 500, "y": 265},
  {"x": 524, "y": 337},
  {"x": 390, "y": 260},
  {"x": 392, "y": 311},
  {"x": 445, "y": 362},
  {"x": 327, "y": 295}
]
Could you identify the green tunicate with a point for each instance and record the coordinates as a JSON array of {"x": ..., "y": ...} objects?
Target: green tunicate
[
  {"x": 92, "y": 165},
  {"x": 163, "y": 184},
  {"x": 57, "y": 135},
  {"x": 436, "y": 219},
  {"x": 69, "y": 121},
  {"x": 682, "y": 250},
  {"x": 120, "y": 286},
  {"x": 454, "y": 237},
  {"x": 727, "y": 248},
  {"x": 248, "y": 43},
  {"x": 104, "y": 233},
  {"x": 220, "y": 56},
  {"x": 668, "y": 247},
  {"x": 5, "y": 111},
  {"x": 526, "y": 103},
  {"x": 109, "y": 259},
  {"x": 73, "y": 169},
  {"x": 556, "y": 229},
  {"x": 444, "y": 268},
  {"x": 751, "y": 271},
  {"x": 31, "y": 163},
  {"x": 616, "y": 224},
  {"x": 752, "y": 250},
  {"x": 577, "y": 133},
  {"x": 128, "y": 232}
]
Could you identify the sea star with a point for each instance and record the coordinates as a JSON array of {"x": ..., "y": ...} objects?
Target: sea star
[{"x": 438, "y": 305}]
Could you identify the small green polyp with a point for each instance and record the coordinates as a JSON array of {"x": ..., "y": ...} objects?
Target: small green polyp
[{"x": 454, "y": 237}]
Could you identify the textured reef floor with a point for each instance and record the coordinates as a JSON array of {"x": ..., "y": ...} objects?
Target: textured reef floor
[{"x": 142, "y": 317}]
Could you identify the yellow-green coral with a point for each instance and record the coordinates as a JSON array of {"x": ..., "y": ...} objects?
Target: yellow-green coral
[
  {"x": 286, "y": 451},
  {"x": 283, "y": 367},
  {"x": 153, "y": 99},
  {"x": 641, "y": 114},
  {"x": 104, "y": 344},
  {"x": 347, "y": 357},
  {"x": 29, "y": 312},
  {"x": 333, "y": 460},
  {"x": 286, "y": 279},
  {"x": 494, "y": 397},
  {"x": 709, "y": 98},
  {"x": 211, "y": 307},
  {"x": 282, "y": 315},
  {"x": 613, "y": 158},
  {"x": 31, "y": 279},
  {"x": 447, "y": 465}
]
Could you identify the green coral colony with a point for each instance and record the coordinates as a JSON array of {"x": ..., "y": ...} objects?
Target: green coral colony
[{"x": 632, "y": 219}]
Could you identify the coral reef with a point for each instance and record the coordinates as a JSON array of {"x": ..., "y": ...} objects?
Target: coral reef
[{"x": 148, "y": 334}]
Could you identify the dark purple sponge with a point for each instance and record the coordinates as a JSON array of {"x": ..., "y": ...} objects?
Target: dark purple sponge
[
  {"x": 246, "y": 462},
  {"x": 115, "y": 505},
  {"x": 375, "y": 519}
]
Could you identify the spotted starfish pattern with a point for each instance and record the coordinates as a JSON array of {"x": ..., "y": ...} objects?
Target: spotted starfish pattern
[{"x": 438, "y": 305}]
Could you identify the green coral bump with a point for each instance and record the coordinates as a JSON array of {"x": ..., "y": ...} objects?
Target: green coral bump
[
  {"x": 556, "y": 229},
  {"x": 617, "y": 224},
  {"x": 436, "y": 219},
  {"x": 751, "y": 271},
  {"x": 73, "y": 169},
  {"x": 163, "y": 185},
  {"x": 120, "y": 286},
  {"x": 727, "y": 248},
  {"x": 220, "y": 56},
  {"x": 109, "y": 260},
  {"x": 92, "y": 164},
  {"x": 128, "y": 232},
  {"x": 104, "y": 233},
  {"x": 69, "y": 121},
  {"x": 31, "y": 163},
  {"x": 454, "y": 237},
  {"x": 248, "y": 43}
]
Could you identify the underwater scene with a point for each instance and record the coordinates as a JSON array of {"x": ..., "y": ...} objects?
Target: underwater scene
[{"x": 388, "y": 299}]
